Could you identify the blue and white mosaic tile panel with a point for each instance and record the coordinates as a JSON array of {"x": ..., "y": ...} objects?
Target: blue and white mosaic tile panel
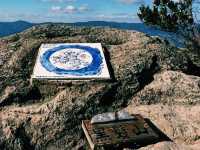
[{"x": 71, "y": 61}]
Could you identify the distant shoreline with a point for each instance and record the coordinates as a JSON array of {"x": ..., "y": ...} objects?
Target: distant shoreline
[{"x": 9, "y": 28}]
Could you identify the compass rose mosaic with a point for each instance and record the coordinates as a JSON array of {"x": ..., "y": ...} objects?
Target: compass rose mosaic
[{"x": 71, "y": 61}]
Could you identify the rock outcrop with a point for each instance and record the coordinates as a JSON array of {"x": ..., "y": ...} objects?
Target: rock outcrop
[
  {"x": 48, "y": 116},
  {"x": 171, "y": 101}
]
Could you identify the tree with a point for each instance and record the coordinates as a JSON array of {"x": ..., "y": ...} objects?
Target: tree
[
  {"x": 167, "y": 14},
  {"x": 174, "y": 16}
]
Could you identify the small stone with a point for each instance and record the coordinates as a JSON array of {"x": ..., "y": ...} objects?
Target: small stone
[
  {"x": 123, "y": 115},
  {"x": 105, "y": 117},
  {"x": 111, "y": 116}
]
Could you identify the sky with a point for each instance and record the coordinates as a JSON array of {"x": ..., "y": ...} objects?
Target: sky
[{"x": 70, "y": 10}]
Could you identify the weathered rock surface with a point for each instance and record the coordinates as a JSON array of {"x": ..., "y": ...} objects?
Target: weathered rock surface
[
  {"x": 176, "y": 113},
  {"x": 171, "y": 88},
  {"x": 48, "y": 116}
]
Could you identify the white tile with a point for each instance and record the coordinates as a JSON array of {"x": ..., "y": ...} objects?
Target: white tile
[{"x": 71, "y": 61}]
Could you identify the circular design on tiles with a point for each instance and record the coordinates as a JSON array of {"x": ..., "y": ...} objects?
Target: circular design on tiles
[
  {"x": 71, "y": 59},
  {"x": 75, "y": 60}
]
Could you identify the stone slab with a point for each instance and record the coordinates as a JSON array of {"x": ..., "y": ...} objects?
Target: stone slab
[{"x": 70, "y": 61}]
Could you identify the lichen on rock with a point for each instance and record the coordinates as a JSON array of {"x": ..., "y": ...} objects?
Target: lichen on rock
[{"x": 139, "y": 67}]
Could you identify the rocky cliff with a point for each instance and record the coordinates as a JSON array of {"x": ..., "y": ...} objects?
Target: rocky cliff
[{"x": 148, "y": 76}]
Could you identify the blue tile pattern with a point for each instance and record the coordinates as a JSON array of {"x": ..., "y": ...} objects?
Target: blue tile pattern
[{"x": 94, "y": 68}]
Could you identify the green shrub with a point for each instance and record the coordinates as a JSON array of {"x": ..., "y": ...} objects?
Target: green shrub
[
  {"x": 167, "y": 14},
  {"x": 14, "y": 38}
]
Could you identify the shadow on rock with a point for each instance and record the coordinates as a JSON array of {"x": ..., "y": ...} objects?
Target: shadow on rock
[
  {"x": 21, "y": 96},
  {"x": 192, "y": 69},
  {"x": 146, "y": 75},
  {"x": 110, "y": 68}
]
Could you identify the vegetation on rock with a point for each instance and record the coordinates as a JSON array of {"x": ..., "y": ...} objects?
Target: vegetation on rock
[
  {"x": 176, "y": 16},
  {"x": 168, "y": 14},
  {"x": 48, "y": 116}
]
